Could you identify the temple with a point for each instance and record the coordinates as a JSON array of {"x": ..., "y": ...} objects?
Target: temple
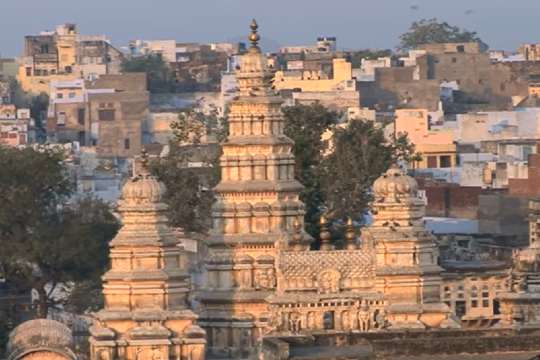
[
  {"x": 261, "y": 277},
  {"x": 146, "y": 315}
]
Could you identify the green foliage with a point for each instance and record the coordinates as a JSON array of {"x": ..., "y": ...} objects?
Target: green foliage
[
  {"x": 159, "y": 76},
  {"x": 360, "y": 155},
  {"x": 304, "y": 125},
  {"x": 47, "y": 240},
  {"x": 192, "y": 125},
  {"x": 356, "y": 57},
  {"x": 430, "y": 31},
  {"x": 189, "y": 190},
  {"x": 339, "y": 183}
]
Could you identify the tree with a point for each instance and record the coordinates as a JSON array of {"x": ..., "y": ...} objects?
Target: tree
[
  {"x": 159, "y": 76},
  {"x": 190, "y": 189},
  {"x": 305, "y": 124},
  {"x": 431, "y": 31},
  {"x": 49, "y": 242},
  {"x": 360, "y": 155}
]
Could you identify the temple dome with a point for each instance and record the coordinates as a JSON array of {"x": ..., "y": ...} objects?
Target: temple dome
[
  {"x": 395, "y": 183},
  {"x": 40, "y": 335},
  {"x": 143, "y": 188}
]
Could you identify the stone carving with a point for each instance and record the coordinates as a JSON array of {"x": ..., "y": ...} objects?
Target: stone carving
[
  {"x": 381, "y": 320},
  {"x": 104, "y": 355},
  {"x": 156, "y": 353},
  {"x": 294, "y": 322},
  {"x": 265, "y": 278},
  {"x": 329, "y": 281},
  {"x": 364, "y": 318}
]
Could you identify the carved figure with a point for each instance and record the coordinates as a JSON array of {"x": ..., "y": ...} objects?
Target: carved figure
[
  {"x": 364, "y": 318},
  {"x": 381, "y": 319},
  {"x": 265, "y": 278},
  {"x": 328, "y": 281},
  {"x": 294, "y": 322},
  {"x": 311, "y": 321},
  {"x": 104, "y": 355},
  {"x": 156, "y": 353}
]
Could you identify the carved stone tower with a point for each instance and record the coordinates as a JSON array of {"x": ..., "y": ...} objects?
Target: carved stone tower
[
  {"x": 257, "y": 205},
  {"x": 406, "y": 254},
  {"x": 146, "y": 314}
]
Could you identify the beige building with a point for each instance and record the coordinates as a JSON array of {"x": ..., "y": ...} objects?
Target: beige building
[
  {"x": 108, "y": 113},
  {"x": 437, "y": 147},
  {"x": 64, "y": 54},
  {"x": 530, "y": 52},
  {"x": 316, "y": 80},
  {"x": 16, "y": 126}
]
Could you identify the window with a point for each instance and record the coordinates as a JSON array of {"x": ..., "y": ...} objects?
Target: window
[
  {"x": 82, "y": 137},
  {"x": 106, "y": 115},
  {"x": 474, "y": 297},
  {"x": 431, "y": 161},
  {"x": 59, "y": 96},
  {"x": 44, "y": 49},
  {"x": 61, "y": 119},
  {"x": 28, "y": 71},
  {"x": 485, "y": 296},
  {"x": 68, "y": 69},
  {"x": 460, "y": 48},
  {"x": 80, "y": 116},
  {"x": 126, "y": 144},
  {"x": 71, "y": 95},
  {"x": 496, "y": 307},
  {"x": 454, "y": 60},
  {"x": 446, "y": 161},
  {"x": 460, "y": 309}
]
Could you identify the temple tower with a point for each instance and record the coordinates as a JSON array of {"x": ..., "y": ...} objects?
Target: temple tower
[
  {"x": 146, "y": 314},
  {"x": 406, "y": 254},
  {"x": 257, "y": 205},
  {"x": 520, "y": 304}
]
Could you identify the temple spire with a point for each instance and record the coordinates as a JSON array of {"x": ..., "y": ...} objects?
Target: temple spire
[{"x": 254, "y": 36}]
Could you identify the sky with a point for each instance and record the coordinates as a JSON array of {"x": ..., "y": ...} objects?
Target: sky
[{"x": 503, "y": 24}]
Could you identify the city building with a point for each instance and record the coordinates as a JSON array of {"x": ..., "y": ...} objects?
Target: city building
[
  {"x": 64, "y": 54},
  {"x": 529, "y": 52},
  {"x": 107, "y": 112},
  {"x": 436, "y": 146},
  {"x": 16, "y": 126}
]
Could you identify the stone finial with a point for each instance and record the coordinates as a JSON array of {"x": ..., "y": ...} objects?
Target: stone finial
[
  {"x": 143, "y": 187},
  {"x": 254, "y": 36},
  {"x": 394, "y": 184},
  {"x": 350, "y": 235},
  {"x": 325, "y": 235},
  {"x": 297, "y": 228}
]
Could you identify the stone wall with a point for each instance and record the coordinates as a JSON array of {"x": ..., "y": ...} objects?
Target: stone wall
[
  {"x": 389, "y": 345},
  {"x": 502, "y": 214},
  {"x": 529, "y": 187},
  {"x": 452, "y": 201}
]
